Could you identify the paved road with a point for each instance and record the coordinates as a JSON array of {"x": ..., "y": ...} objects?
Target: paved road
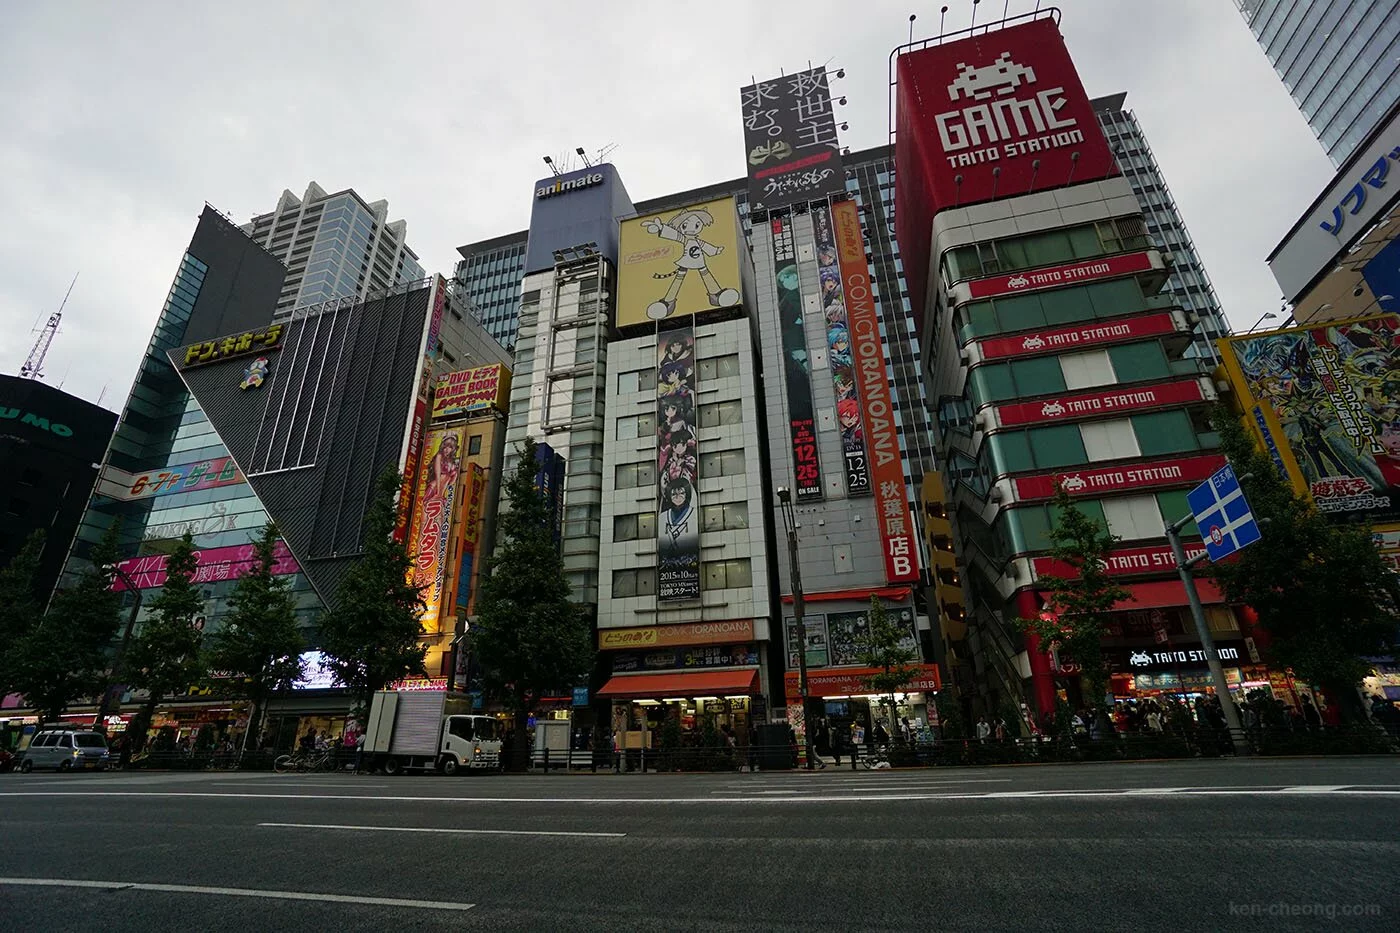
[{"x": 1247, "y": 845}]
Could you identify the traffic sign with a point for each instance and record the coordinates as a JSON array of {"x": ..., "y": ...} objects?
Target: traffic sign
[{"x": 1223, "y": 515}]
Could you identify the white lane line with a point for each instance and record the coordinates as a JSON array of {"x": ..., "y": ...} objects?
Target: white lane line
[
  {"x": 667, "y": 801},
  {"x": 1315, "y": 789},
  {"x": 246, "y": 784},
  {"x": 232, "y": 892},
  {"x": 433, "y": 829}
]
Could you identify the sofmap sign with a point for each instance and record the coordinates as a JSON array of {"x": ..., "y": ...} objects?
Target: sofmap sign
[
  {"x": 1362, "y": 191},
  {"x": 1120, "y": 479},
  {"x": 999, "y": 115},
  {"x": 1098, "y": 403},
  {"x": 1080, "y": 335},
  {"x": 873, "y": 386},
  {"x": 1068, "y": 274},
  {"x": 572, "y": 184}
]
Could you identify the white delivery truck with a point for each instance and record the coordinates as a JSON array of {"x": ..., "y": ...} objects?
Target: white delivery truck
[{"x": 429, "y": 730}]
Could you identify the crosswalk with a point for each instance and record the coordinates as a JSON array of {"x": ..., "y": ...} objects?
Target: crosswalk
[{"x": 854, "y": 784}]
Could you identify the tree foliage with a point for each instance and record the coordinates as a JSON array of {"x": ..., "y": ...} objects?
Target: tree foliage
[
  {"x": 1322, "y": 591},
  {"x": 1078, "y": 606},
  {"x": 165, "y": 656},
  {"x": 65, "y": 656},
  {"x": 371, "y": 635},
  {"x": 259, "y": 646},
  {"x": 885, "y": 646},
  {"x": 20, "y": 609},
  {"x": 530, "y": 640}
]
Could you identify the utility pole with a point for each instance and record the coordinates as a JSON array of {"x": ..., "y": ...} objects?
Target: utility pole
[
  {"x": 790, "y": 525},
  {"x": 1198, "y": 614}
]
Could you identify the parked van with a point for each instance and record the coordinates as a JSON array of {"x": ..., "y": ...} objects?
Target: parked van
[{"x": 65, "y": 750}]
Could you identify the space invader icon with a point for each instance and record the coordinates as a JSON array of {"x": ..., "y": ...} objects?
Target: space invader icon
[{"x": 1002, "y": 76}]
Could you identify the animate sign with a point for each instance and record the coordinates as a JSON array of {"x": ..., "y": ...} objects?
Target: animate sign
[
  {"x": 561, "y": 186},
  {"x": 253, "y": 341},
  {"x": 689, "y": 633},
  {"x": 1120, "y": 479},
  {"x": 1095, "y": 333},
  {"x": 1098, "y": 403},
  {"x": 1068, "y": 274}
]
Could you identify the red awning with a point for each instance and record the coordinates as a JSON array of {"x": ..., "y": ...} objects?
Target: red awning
[
  {"x": 697, "y": 684},
  {"x": 1159, "y": 594},
  {"x": 888, "y": 592}
]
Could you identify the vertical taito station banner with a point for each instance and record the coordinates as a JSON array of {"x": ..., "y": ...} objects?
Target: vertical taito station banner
[
  {"x": 838, "y": 337},
  {"x": 887, "y": 466},
  {"x": 677, "y": 467},
  {"x": 790, "y": 134},
  {"x": 797, "y": 368},
  {"x": 474, "y": 495},
  {"x": 432, "y": 524}
]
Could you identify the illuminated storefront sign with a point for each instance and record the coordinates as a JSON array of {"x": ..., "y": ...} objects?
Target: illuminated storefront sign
[
  {"x": 212, "y": 351},
  {"x": 668, "y": 659},
  {"x": 686, "y": 633},
  {"x": 855, "y": 681},
  {"x": 471, "y": 533},
  {"x": 432, "y": 518},
  {"x": 1176, "y": 472},
  {"x": 469, "y": 391},
  {"x": 1152, "y": 559},
  {"x": 214, "y": 564},
  {"x": 1066, "y": 407},
  {"x": 873, "y": 385},
  {"x": 1071, "y": 273},
  {"x": 167, "y": 481},
  {"x": 1095, "y": 333}
]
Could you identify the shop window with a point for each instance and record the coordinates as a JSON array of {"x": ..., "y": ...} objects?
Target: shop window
[
  {"x": 641, "y": 526},
  {"x": 1173, "y": 505},
  {"x": 1137, "y": 361},
  {"x": 719, "y": 367},
  {"x": 1133, "y": 518},
  {"x": 1064, "y": 306},
  {"x": 722, "y": 463},
  {"x": 635, "y": 475},
  {"x": 1109, "y": 440},
  {"x": 729, "y": 516},
  {"x": 1115, "y": 297},
  {"x": 1164, "y": 432},
  {"x": 1011, "y": 452},
  {"x": 1059, "y": 445},
  {"x": 992, "y": 384},
  {"x": 1040, "y": 376},
  {"x": 1020, "y": 313},
  {"x": 726, "y": 574},
  {"x": 474, "y": 444},
  {"x": 1091, "y": 368}
]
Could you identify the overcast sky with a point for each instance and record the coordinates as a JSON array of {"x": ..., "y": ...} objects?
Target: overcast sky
[{"x": 119, "y": 120}]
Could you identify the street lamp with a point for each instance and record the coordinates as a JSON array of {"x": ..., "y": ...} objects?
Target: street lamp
[
  {"x": 114, "y": 680},
  {"x": 1267, "y": 316},
  {"x": 790, "y": 526}
]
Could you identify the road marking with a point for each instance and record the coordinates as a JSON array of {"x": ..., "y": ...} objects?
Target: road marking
[
  {"x": 246, "y": 784},
  {"x": 433, "y": 829},
  {"x": 232, "y": 892},
  {"x": 1315, "y": 789}
]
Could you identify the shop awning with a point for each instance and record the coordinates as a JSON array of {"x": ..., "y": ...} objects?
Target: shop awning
[
  {"x": 697, "y": 684},
  {"x": 1159, "y": 594}
]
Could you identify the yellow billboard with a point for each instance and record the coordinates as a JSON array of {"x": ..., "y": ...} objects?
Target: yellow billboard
[
  {"x": 679, "y": 263},
  {"x": 472, "y": 391},
  {"x": 432, "y": 519}
]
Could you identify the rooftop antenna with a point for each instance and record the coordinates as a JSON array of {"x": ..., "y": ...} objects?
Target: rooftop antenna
[
  {"x": 603, "y": 153},
  {"x": 584, "y": 156},
  {"x": 33, "y": 367}
]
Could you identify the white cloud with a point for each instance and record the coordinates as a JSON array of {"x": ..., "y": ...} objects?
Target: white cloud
[{"x": 122, "y": 119}]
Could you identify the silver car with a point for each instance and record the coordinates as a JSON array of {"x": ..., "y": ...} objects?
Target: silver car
[{"x": 65, "y": 750}]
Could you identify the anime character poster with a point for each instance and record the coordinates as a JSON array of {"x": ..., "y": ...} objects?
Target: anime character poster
[
  {"x": 847, "y": 633},
  {"x": 843, "y": 377},
  {"x": 432, "y": 519},
  {"x": 677, "y": 467},
  {"x": 678, "y": 263},
  {"x": 1333, "y": 393},
  {"x": 797, "y": 366}
]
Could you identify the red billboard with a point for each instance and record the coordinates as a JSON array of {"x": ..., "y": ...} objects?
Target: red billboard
[
  {"x": 213, "y": 565},
  {"x": 1075, "y": 336},
  {"x": 995, "y": 115},
  {"x": 1071, "y": 273},
  {"x": 1155, "y": 558},
  {"x": 1152, "y": 475},
  {"x": 873, "y": 385},
  {"x": 1086, "y": 404}
]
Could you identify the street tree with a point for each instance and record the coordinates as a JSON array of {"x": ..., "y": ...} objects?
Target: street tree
[
  {"x": 259, "y": 646},
  {"x": 65, "y": 656},
  {"x": 370, "y": 635},
  {"x": 165, "y": 657},
  {"x": 885, "y": 646},
  {"x": 20, "y": 608},
  {"x": 1323, "y": 593},
  {"x": 1078, "y": 604},
  {"x": 530, "y": 640}
]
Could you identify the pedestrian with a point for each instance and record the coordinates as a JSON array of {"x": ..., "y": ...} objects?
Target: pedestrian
[
  {"x": 751, "y": 750},
  {"x": 359, "y": 750},
  {"x": 984, "y": 729},
  {"x": 1310, "y": 714},
  {"x": 616, "y": 753},
  {"x": 838, "y": 743},
  {"x": 308, "y": 741},
  {"x": 906, "y": 730},
  {"x": 881, "y": 736},
  {"x": 1001, "y": 729}
]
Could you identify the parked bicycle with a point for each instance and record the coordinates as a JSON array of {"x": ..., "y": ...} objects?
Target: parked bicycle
[
  {"x": 304, "y": 762},
  {"x": 873, "y": 757}
]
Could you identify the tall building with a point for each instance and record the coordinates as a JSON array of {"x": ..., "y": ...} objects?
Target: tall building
[
  {"x": 50, "y": 445},
  {"x": 334, "y": 246},
  {"x": 1339, "y": 59},
  {"x": 1188, "y": 282},
  {"x": 1052, "y": 358}
]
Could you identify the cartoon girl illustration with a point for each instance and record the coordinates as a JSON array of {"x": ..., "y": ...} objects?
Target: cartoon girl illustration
[
  {"x": 443, "y": 469},
  {"x": 677, "y": 508},
  {"x": 678, "y": 457},
  {"x": 845, "y": 386},
  {"x": 685, "y": 228},
  {"x": 673, "y": 380},
  {"x": 677, "y": 416},
  {"x": 677, "y": 349},
  {"x": 852, "y": 437},
  {"x": 840, "y": 340}
]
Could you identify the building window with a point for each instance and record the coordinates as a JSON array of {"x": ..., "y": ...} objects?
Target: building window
[
  {"x": 641, "y": 526},
  {"x": 636, "y": 426},
  {"x": 722, "y": 463},
  {"x": 729, "y": 516},
  {"x": 719, "y": 367},
  {"x": 635, "y": 582},
  {"x": 718, "y": 413},
  {"x": 474, "y": 444},
  {"x": 726, "y": 574},
  {"x": 635, "y": 475}
]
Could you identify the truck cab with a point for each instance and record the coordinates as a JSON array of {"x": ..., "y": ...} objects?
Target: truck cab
[{"x": 472, "y": 742}]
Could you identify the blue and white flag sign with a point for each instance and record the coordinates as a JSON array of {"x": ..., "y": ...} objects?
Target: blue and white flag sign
[{"x": 1223, "y": 515}]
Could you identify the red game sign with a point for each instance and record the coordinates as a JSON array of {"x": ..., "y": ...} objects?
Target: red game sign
[
  {"x": 1093, "y": 333},
  {"x": 1072, "y": 273},
  {"x": 1152, "y": 559},
  {"x": 1152, "y": 475},
  {"x": 1116, "y": 399}
]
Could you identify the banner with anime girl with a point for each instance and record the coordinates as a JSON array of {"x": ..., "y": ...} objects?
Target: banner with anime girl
[
  {"x": 677, "y": 467},
  {"x": 843, "y": 374}
]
